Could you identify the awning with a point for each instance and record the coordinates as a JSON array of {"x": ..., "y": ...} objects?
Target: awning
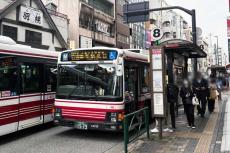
[{"x": 184, "y": 48}]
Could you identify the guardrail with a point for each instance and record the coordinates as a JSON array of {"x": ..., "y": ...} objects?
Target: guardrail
[{"x": 135, "y": 124}]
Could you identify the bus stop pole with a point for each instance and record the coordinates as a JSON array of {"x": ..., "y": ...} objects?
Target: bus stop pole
[{"x": 160, "y": 127}]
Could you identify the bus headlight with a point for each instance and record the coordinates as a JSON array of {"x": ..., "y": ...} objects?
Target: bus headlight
[
  {"x": 57, "y": 113},
  {"x": 113, "y": 117}
]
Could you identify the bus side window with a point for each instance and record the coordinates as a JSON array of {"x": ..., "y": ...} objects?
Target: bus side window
[
  {"x": 51, "y": 73},
  {"x": 9, "y": 81},
  {"x": 31, "y": 78},
  {"x": 130, "y": 82}
]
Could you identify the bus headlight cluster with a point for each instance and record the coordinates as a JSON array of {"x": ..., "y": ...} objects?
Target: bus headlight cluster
[
  {"x": 113, "y": 117},
  {"x": 57, "y": 112}
]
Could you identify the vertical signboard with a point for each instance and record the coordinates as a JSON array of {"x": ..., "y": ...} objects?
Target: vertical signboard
[
  {"x": 229, "y": 5},
  {"x": 86, "y": 42},
  {"x": 229, "y": 50},
  {"x": 158, "y": 79},
  {"x": 228, "y": 26}
]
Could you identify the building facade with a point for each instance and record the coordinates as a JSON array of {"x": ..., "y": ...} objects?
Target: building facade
[
  {"x": 28, "y": 23},
  {"x": 91, "y": 22},
  {"x": 122, "y": 30},
  {"x": 173, "y": 25},
  {"x": 137, "y": 31}
]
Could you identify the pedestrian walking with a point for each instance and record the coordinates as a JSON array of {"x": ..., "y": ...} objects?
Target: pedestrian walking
[
  {"x": 187, "y": 95},
  {"x": 200, "y": 88},
  {"x": 213, "y": 95}
]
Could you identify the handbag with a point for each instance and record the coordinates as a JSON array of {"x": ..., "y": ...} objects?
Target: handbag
[
  {"x": 195, "y": 101},
  {"x": 213, "y": 94}
]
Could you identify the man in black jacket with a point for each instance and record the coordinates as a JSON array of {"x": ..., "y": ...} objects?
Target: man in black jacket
[
  {"x": 172, "y": 97},
  {"x": 200, "y": 88}
]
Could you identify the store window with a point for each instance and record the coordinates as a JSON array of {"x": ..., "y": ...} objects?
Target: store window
[
  {"x": 8, "y": 77},
  {"x": 10, "y": 31},
  {"x": 33, "y": 37},
  {"x": 31, "y": 78}
]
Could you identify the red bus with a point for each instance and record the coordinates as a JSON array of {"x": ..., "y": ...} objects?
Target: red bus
[
  {"x": 98, "y": 86},
  {"x": 27, "y": 85}
]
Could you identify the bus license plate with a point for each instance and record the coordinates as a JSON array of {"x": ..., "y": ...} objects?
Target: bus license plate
[{"x": 81, "y": 125}]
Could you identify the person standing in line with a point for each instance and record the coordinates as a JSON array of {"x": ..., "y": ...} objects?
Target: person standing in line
[
  {"x": 200, "y": 88},
  {"x": 172, "y": 97},
  {"x": 187, "y": 95},
  {"x": 213, "y": 95}
]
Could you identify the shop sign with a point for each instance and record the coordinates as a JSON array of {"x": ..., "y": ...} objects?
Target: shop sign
[
  {"x": 85, "y": 42},
  {"x": 102, "y": 27},
  {"x": 31, "y": 16}
]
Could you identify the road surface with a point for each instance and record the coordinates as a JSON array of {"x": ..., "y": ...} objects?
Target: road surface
[{"x": 49, "y": 139}]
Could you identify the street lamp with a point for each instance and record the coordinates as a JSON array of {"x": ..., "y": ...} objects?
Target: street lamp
[{"x": 216, "y": 51}]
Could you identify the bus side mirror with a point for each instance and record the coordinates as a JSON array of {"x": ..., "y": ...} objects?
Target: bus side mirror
[{"x": 119, "y": 70}]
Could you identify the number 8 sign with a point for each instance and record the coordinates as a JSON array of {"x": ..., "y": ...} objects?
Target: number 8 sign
[{"x": 157, "y": 34}]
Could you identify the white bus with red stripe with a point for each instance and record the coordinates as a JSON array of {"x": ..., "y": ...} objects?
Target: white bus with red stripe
[
  {"x": 98, "y": 86},
  {"x": 27, "y": 85}
]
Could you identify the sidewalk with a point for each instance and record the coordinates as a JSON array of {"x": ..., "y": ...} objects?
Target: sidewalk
[{"x": 204, "y": 139}]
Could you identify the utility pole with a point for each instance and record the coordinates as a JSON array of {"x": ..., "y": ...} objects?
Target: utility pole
[{"x": 193, "y": 14}]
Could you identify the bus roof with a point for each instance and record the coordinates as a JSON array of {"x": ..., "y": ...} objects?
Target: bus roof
[
  {"x": 9, "y": 46},
  {"x": 136, "y": 56}
]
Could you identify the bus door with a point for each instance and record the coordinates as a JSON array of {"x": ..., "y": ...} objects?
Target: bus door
[
  {"x": 9, "y": 98},
  {"x": 30, "y": 101},
  {"x": 49, "y": 91},
  {"x": 131, "y": 88}
]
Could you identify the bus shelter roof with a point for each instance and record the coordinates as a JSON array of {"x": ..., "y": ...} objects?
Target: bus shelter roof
[
  {"x": 221, "y": 69},
  {"x": 184, "y": 48}
]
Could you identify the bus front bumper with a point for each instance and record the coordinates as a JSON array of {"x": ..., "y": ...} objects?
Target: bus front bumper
[{"x": 89, "y": 125}]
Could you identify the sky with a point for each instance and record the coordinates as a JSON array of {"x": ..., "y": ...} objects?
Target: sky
[{"x": 211, "y": 16}]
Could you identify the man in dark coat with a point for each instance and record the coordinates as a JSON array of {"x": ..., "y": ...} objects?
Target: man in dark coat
[
  {"x": 200, "y": 88},
  {"x": 172, "y": 97}
]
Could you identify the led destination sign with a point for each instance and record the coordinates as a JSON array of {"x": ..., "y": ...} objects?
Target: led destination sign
[{"x": 89, "y": 55}]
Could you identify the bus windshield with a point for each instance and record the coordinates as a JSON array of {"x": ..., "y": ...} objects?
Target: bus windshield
[{"x": 89, "y": 82}]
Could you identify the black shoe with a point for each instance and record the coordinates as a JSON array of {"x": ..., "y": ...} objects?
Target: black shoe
[{"x": 202, "y": 115}]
